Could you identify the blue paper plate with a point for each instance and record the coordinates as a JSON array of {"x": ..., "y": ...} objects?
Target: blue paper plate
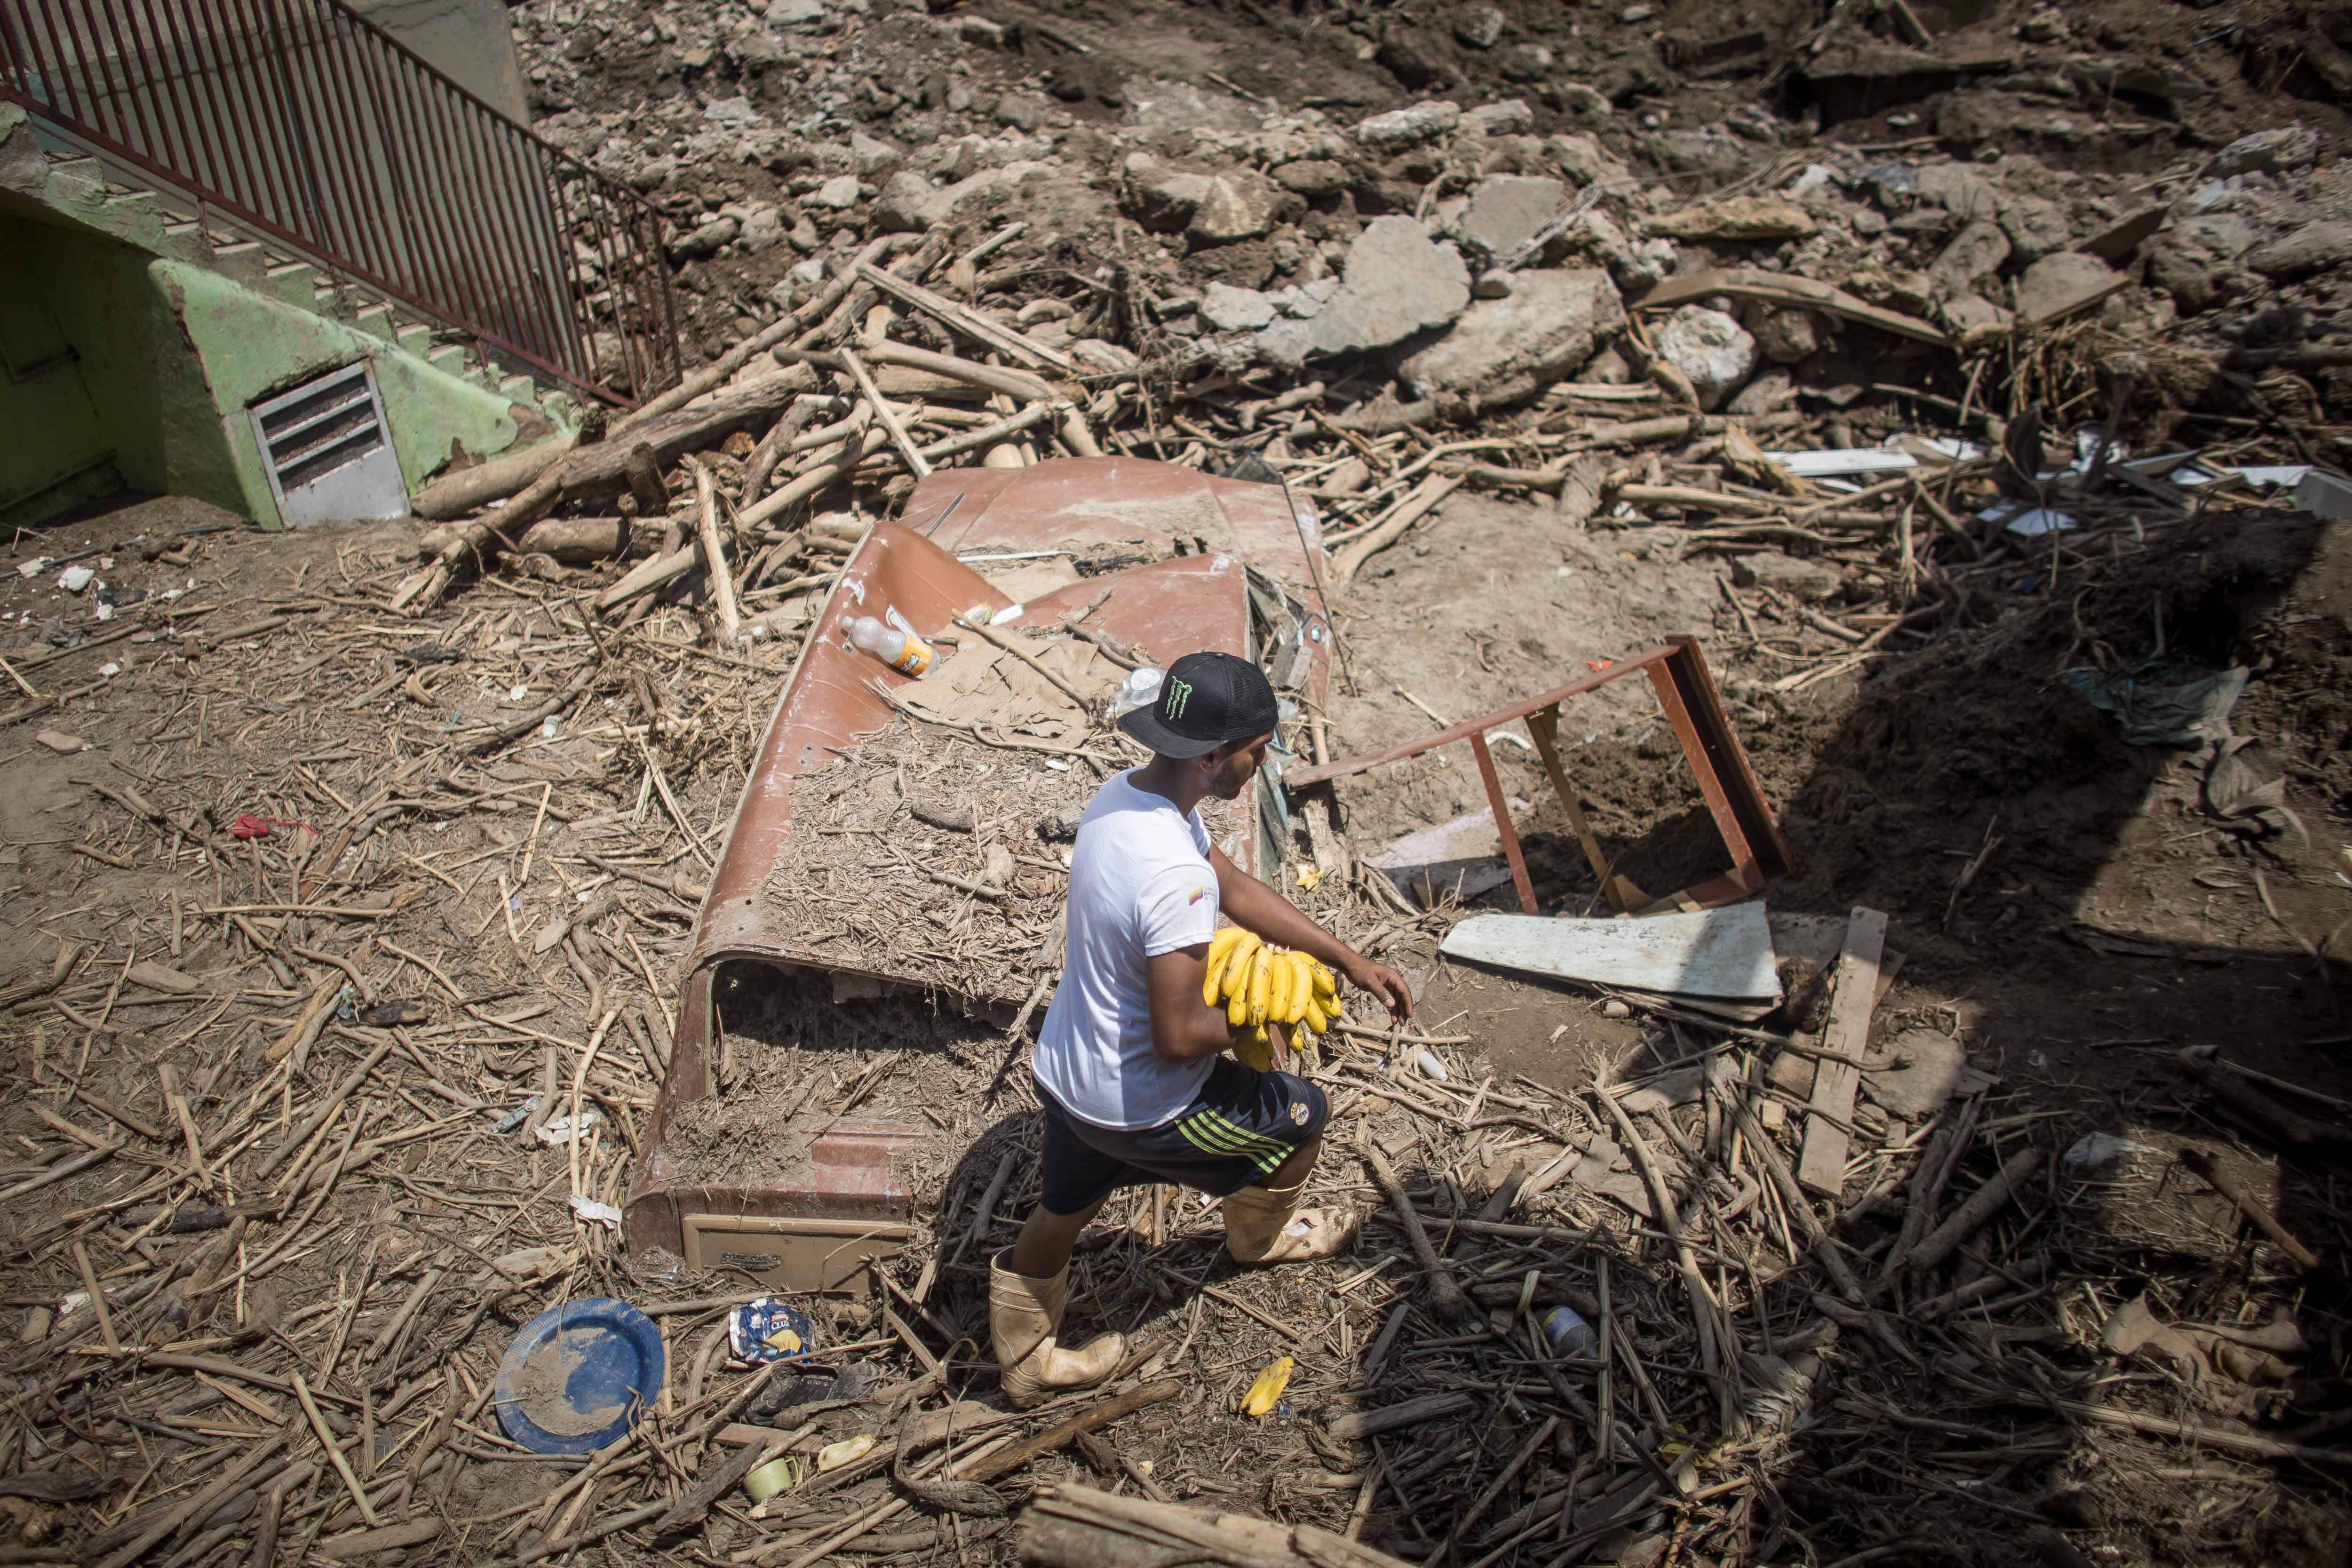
[{"x": 579, "y": 1375}]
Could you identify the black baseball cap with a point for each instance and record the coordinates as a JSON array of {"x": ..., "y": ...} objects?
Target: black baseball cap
[{"x": 1205, "y": 700}]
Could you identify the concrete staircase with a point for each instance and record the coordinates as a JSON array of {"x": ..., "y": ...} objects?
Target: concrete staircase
[{"x": 109, "y": 198}]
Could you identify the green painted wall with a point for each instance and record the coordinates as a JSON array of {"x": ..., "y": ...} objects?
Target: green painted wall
[
  {"x": 249, "y": 345},
  {"x": 166, "y": 358}
]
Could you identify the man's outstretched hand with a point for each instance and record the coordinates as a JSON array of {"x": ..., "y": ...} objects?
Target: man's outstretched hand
[{"x": 1382, "y": 981}]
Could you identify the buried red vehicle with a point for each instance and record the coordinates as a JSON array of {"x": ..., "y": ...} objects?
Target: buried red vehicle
[{"x": 1166, "y": 560}]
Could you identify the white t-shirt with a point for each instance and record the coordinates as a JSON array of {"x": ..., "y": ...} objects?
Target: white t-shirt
[{"x": 1140, "y": 885}]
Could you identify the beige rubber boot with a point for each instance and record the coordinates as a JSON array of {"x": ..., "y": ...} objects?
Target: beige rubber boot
[
  {"x": 1266, "y": 1224},
  {"x": 1023, "y": 1317}
]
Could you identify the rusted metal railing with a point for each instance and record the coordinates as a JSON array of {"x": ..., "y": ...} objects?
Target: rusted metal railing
[{"x": 307, "y": 124}]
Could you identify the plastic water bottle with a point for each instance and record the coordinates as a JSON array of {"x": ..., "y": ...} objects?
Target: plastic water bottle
[
  {"x": 1139, "y": 690},
  {"x": 1568, "y": 1333},
  {"x": 902, "y": 652}
]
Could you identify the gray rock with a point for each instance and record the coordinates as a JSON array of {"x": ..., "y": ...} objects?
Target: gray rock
[
  {"x": 837, "y": 193},
  {"x": 2035, "y": 226},
  {"x": 1581, "y": 99},
  {"x": 1768, "y": 394},
  {"x": 904, "y": 205},
  {"x": 1406, "y": 127},
  {"x": 764, "y": 230},
  {"x": 1784, "y": 337},
  {"x": 1526, "y": 62},
  {"x": 1397, "y": 283},
  {"x": 1957, "y": 189},
  {"x": 1504, "y": 351},
  {"x": 705, "y": 239},
  {"x": 2268, "y": 152},
  {"x": 1710, "y": 348},
  {"x": 793, "y": 13},
  {"x": 1478, "y": 26},
  {"x": 1231, "y": 310},
  {"x": 1973, "y": 255},
  {"x": 1964, "y": 313},
  {"x": 2319, "y": 247},
  {"x": 908, "y": 202},
  {"x": 1507, "y": 117},
  {"x": 1808, "y": 581},
  {"x": 981, "y": 31},
  {"x": 1505, "y": 210},
  {"x": 2190, "y": 259},
  {"x": 1023, "y": 112},
  {"x": 1239, "y": 204},
  {"x": 1492, "y": 284},
  {"x": 871, "y": 156},
  {"x": 1927, "y": 1066},
  {"x": 2059, "y": 280},
  {"x": 1160, "y": 196},
  {"x": 1313, "y": 177}
]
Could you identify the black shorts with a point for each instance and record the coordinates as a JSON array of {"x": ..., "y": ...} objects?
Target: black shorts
[{"x": 1242, "y": 1124}]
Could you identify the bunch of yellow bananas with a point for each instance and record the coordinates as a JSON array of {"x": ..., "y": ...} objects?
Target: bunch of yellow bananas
[{"x": 1260, "y": 985}]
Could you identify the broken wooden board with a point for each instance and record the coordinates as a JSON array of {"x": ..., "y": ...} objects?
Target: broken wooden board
[
  {"x": 1821, "y": 1168},
  {"x": 1723, "y": 953},
  {"x": 1787, "y": 288}
]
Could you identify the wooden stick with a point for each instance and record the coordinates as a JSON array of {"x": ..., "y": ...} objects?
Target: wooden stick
[
  {"x": 1981, "y": 1205},
  {"x": 714, "y": 553},
  {"x": 2229, "y": 1187},
  {"x": 325, "y": 1108},
  {"x": 334, "y": 1452},
  {"x": 1066, "y": 1431},
  {"x": 1445, "y": 1295},
  {"x": 898, "y": 437},
  {"x": 970, "y": 323},
  {"x": 1822, "y": 1165},
  {"x": 1706, "y": 1314},
  {"x": 1013, "y": 383},
  {"x": 1012, "y": 644},
  {"x": 97, "y": 1298},
  {"x": 1391, "y": 527}
]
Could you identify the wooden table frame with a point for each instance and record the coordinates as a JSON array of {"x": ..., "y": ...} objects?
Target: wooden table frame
[{"x": 1735, "y": 798}]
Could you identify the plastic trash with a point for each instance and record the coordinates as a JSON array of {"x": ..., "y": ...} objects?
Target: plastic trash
[
  {"x": 768, "y": 1328},
  {"x": 848, "y": 1451},
  {"x": 547, "y": 728},
  {"x": 74, "y": 579},
  {"x": 2158, "y": 703},
  {"x": 579, "y": 1375},
  {"x": 2097, "y": 1151},
  {"x": 778, "y": 1475},
  {"x": 1568, "y": 1333},
  {"x": 901, "y": 650},
  {"x": 593, "y": 1211},
  {"x": 1426, "y": 1060},
  {"x": 1139, "y": 690}
]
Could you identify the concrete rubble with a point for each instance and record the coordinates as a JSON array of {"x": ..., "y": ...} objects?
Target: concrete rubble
[{"x": 1248, "y": 239}]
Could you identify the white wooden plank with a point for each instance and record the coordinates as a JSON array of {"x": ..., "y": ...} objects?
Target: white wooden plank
[
  {"x": 1822, "y": 1166},
  {"x": 1725, "y": 952}
]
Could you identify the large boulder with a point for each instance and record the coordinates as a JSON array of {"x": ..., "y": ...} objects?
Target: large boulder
[
  {"x": 2268, "y": 152},
  {"x": 1504, "y": 352},
  {"x": 2060, "y": 283},
  {"x": 1397, "y": 283},
  {"x": 1506, "y": 211}
]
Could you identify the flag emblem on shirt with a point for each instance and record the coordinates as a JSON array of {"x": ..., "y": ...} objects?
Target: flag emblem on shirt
[{"x": 1198, "y": 894}]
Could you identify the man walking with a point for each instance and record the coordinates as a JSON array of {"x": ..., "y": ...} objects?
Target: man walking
[{"x": 1131, "y": 1062}]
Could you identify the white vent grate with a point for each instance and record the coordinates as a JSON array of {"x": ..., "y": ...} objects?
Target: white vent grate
[{"x": 328, "y": 451}]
